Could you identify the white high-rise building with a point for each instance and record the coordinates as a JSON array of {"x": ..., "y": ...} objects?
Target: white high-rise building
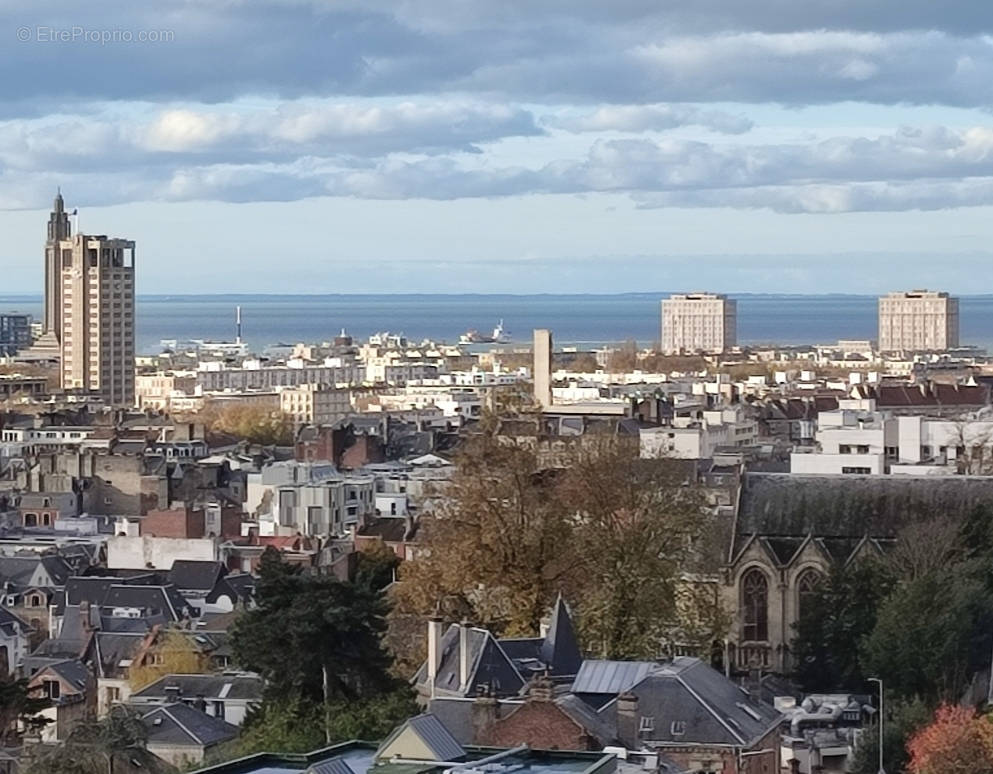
[
  {"x": 918, "y": 321},
  {"x": 95, "y": 325},
  {"x": 699, "y": 322}
]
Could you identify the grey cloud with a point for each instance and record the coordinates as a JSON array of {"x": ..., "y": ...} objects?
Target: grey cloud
[
  {"x": 186, "y": 135},
  {"x": 912, "y": 168},
  {"x": 542, "y": 50}
]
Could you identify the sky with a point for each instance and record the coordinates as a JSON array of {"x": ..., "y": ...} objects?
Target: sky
[{"x": 505, "y": 145}]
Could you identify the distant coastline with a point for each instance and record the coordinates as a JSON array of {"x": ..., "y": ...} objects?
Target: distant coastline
[{"x": 584, "y": 320}]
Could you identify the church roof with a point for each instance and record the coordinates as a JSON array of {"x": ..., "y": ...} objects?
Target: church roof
[{"x": 784, "y": 505}]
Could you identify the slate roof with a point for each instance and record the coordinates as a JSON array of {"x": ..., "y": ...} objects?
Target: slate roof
[
  {"x": 691, "y": 703},
  {"x": 560, "y": 649},
  {"x": 845, "y": 506},
  {"x": 21, "y": 569},
  {"x": 431, "y": 731},
  {"x": 112, "y": 648},
  {"x": 506, "y": 665},
  {"x": 194, "y": 575},
  {"x": 152, "y": 600},
  {"x": 181, "y": 724},
  {"x": 10, "y": 624},
  {"x": 241, "y": 686},
  {"x": 333, "y": 766},
  {"x": 489, "y": 665}
]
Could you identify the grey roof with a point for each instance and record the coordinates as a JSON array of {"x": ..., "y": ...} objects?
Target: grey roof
[
  {"x": 152, "y": 600},
  {"x": 692, "y": 703},
  {"x": 242, "y": 686},
  {"x": 438, "y": 739},
  {"x": 584, "y": 715},
  {"x": 610, "y": 677},
  {"x": 196, "y": 575},
  {"x": 560, "y": 650},
  {"x": 10, "y": 624},
  {"x": 73, "y": 671},
  {"x": 21, "y": 569},
  {"x": 506, "y": 665},
  {"x": 333, "y": 766},
  {"x": 489, "y": 665},
  {"x": 844, "y": 506},
  {"x": 112, "y": 648},
  {"x": 181, "y": 724}
]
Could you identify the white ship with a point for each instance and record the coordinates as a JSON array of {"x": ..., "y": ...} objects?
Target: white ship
[{"x": 499, "y": 336}]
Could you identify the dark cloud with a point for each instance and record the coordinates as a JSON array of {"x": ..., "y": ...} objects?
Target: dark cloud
[{"x": 540, "y": 50}]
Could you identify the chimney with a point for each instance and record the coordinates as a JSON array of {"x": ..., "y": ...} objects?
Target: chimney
[
  {"x": 542, "y": 688},
  {"x": 484, "y": 715},
  {"x": 464, "y": 656},
  {"x": 434, "y": 650},
  {"x": 628, "y": 721}
]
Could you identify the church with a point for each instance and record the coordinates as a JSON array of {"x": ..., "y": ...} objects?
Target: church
[{"x": 790, "y": 530}]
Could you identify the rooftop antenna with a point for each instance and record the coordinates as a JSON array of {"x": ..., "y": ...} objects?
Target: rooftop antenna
[{"x": 237, "y": 321}]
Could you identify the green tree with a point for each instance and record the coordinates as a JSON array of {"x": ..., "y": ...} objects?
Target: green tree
[
  {"x": 376, "y": 567},
  {"x": 314, "y": 639},
  {"x": 111, "y": 744},
  {"x": 932, "y": 634},
  {"x": 834, "y": 621},
  {"x": 19, "y": 711},
  {"x": 903, "y": 719}
]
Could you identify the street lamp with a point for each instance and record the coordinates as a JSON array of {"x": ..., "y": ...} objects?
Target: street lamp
[{"x": 877, "y": 680}]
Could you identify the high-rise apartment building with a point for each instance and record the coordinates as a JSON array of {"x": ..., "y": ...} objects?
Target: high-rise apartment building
[
  {"x": 542, "y": 356},
  {"x": 89, "y": 309},
  {"x": 918, "y": 321},
  {"x": 15, "y": 333},
  {"x": 699, "y": 322}
]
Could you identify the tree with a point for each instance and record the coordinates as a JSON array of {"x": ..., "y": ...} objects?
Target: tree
[
  {"x": 115, "y": 743},
  {"x": 19, "y": 711},
  {"x": 298, "y": 726},
  {"x": 620, "y": 536},
  {"x": 498, "y": 550},
  {"x": 839, "y": 614},
  {"x": 637, "y": 530},
  {"x": 255, "y": 424},
  {"x": 957, "y": 742},
  {"x": 313, "y": 638},
  {"x": 902, "y": 721},
  {"x": 174, "y": 653},
  {"x": 377, "y": 564},
  {"x": 932, "y": 634}
]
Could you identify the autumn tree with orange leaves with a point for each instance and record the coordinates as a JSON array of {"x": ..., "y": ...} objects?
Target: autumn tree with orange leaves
[{"x": 958, "y": 741}]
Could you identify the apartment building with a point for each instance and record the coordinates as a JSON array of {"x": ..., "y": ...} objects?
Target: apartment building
[
  {"x": 699, "y": 322},
  {"x": 858, "y": 439},
  {"x": 918, "y": 321},
  {"x": 311, "y": 404},
  {"x": 15, "y": 333}
]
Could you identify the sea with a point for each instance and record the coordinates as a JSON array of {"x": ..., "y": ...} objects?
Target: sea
[{"x": 575, "y": 320}]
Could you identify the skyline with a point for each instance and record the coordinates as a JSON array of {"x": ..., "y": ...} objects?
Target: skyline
[{"x": 457, "y": 146}]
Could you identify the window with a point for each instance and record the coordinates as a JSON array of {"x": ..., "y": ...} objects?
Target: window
[
  {"x": 806, "y": 588},
  {"x": 647, "y": 724},
  {"x": 677, "y": 728},
  {"x": 52, "y": 689},
  {"x": 755, "y": 603},
  {"x": 856, "y": 471}
]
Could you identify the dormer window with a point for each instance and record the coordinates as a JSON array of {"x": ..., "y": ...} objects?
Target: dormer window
[
  {"x": 647, "y": 724},
  {"x": 677, "y": 728}
]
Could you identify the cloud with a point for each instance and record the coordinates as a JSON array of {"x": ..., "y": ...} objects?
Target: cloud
[
  {"x": 912, "y": 168},
  {"x": 284, "y": 132},
  {"x": 585, "y": 52},
  {"x": 641, "y": 118}
]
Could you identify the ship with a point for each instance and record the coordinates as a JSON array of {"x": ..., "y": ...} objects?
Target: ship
[{"x": 472, "y": 336}]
